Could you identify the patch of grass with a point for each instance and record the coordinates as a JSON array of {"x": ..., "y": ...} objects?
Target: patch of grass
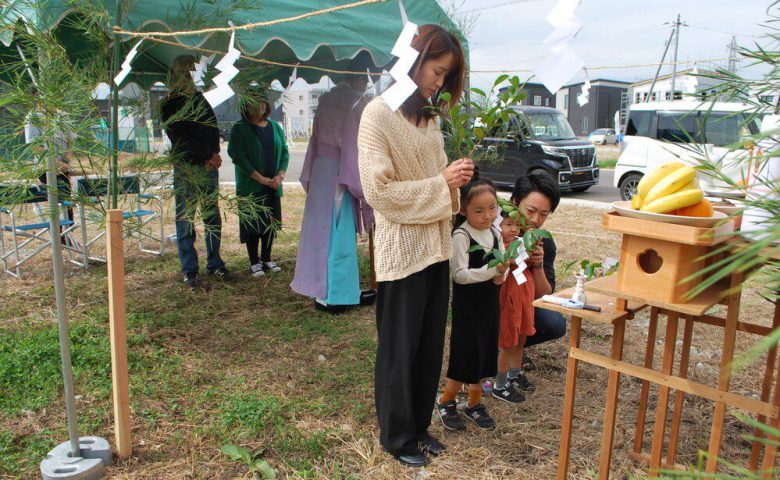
[
  {"x": 247, "y": 416},
  {"x": 607, "y": 162},
  {"x": 15, "y": 451}
]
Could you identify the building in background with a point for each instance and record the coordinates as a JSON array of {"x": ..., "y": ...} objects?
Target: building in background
[
  {"x": 536, "y": 95},
  {"x": 605, "y": 97},
  {"x": 686, "y": 83},
  {"x": 299, "y": 107}
]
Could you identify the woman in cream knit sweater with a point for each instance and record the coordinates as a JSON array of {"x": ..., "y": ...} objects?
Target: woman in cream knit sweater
[{"x": 406, "y": 180}]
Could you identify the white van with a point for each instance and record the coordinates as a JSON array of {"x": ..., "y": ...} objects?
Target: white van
[{"x": 661, "y": 132}]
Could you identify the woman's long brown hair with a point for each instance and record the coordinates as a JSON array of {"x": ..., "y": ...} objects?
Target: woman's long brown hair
[{"x": 433, "y": 41}]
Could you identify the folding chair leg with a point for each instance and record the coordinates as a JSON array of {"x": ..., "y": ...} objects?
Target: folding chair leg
[{"x": 84, "y": 240}]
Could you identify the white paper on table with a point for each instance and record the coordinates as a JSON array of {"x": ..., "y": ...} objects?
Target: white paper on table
[
  {"x": 519, "y": 275},
  {"x": 609, "y": 263},
  {"x": 399, "y": 92},
  {"x": 559, "y": 68},
  {"x": 563, "y": 34},
  {"x": 562, "y": 12},
  {"x": 217, "y": 96}
]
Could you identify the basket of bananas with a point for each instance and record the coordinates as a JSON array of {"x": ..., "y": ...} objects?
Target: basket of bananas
[{"x": 671, "y": 193}]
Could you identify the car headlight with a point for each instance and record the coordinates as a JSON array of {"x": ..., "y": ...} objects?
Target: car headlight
[{"x": 557, "y": 151}]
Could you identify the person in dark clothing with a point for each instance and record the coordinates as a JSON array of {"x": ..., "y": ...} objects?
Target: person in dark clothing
[
  {"x": 192, "y": 128},
  {"x": 259, "y": 151},
  {"x": 537, "y": 196}
]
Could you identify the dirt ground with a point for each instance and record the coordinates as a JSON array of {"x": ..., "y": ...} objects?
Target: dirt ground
[{"x": 255, "y": 365}]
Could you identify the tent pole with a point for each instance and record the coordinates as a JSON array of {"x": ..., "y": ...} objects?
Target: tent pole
[
  {"x": 62, "y": 313},
  {"x": 59, "y": 286}
]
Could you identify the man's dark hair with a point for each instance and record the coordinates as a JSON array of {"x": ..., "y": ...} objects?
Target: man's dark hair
[{"x": 543, "y": 184}]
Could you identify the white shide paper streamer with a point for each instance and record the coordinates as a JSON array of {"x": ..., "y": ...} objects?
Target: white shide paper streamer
[{"x": 126, "y": 68}]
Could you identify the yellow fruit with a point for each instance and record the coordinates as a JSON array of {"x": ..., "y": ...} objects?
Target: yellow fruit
[
  {"x": 701, "y": 209},
  {"x": 674, "y": 201},
  {"x": 692, "y": 185},
  {"x": 636, "y": 202},
  {"x": 671, "y": 183},
  {"x": 654, "y": 176}
]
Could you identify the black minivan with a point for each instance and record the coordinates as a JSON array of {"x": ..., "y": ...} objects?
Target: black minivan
[{"x": 540, "y": 141}]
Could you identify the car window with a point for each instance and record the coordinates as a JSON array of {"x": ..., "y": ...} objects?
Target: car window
[
  {"x": 679, "y": 127},
  {"x": 723, "y": 128},
  {"x": 639, "y": 123}
]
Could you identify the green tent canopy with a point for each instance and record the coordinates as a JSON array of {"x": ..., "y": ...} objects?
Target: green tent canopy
[{"x": 330, "y": 40}]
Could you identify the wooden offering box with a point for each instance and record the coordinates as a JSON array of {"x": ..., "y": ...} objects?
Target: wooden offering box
[{"x": 656, "y": 256}]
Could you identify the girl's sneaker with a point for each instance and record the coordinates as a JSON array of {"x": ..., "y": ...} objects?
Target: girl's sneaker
[
  {"x": 479, "y": 415},
  {"x": 448, "y": 412},
  {"x": 521, "y": 383},
  {"x": 257, "y": 270},
  {"x": 271, "y": 267},
  {"x": 508, "y": 394}
]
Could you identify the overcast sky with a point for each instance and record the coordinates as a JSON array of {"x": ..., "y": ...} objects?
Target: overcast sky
[{"x": 509, "y": 34}]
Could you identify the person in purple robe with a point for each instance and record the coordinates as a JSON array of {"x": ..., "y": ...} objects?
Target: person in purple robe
[{"x": 336, "y": 211}]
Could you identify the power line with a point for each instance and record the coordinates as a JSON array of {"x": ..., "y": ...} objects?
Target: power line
[
  {"x": 497, "y": 5},
  {"x": 725, "y": 32}
]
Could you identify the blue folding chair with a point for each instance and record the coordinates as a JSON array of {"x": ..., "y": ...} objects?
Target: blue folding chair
[
  {"x": 146, "y": 209},
  {"x": 20, "y": 242}
]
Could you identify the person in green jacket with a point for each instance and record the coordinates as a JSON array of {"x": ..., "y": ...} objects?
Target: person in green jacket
[{"x": 259, "y": 151}]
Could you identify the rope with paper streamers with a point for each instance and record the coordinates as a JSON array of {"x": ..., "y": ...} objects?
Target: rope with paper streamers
[
  {"x": 352, "y": 72},
  {"x": 249, "y": 26}
]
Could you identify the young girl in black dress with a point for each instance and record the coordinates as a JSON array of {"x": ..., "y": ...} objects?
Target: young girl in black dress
[{"x": 475, "y": 305}]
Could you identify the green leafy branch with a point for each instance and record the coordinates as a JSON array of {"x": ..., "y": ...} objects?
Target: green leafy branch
[
  {"x": 469, "y": 122},
  {"x": 259, "y": 468},
  {"x": 591, "y": 269},
  {"x": 530, "y": 238}
]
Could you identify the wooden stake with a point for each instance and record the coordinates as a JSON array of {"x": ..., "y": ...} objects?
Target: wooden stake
[
  {"x": 766, "y": 389},
  {"x": 679, "y": 395},
  {"x": 118, "y": 330},
  {"x": 613, "y": 384},
  {"x": 649, "y": 352},
  {"x": 670, "y": 340},
  {"x": 568, "y": 399},
  {"x": 729, "y": 338}
]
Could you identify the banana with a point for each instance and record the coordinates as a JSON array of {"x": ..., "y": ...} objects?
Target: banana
[
  {"x": 674, "y": 201},
  {"x": 692, "y": 185},
  {"x": 636, "y": 202},
  {"x": 671, "y": 183},
  {"x": 648, "y": 181}
]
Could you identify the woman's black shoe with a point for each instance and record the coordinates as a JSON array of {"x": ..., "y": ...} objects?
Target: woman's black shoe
[
  {"x": 431, "y": 446},
  {"x": 332, "y": 309},
  {"x": 413, "y": 460},
  {"x": 367, "y": 298}
]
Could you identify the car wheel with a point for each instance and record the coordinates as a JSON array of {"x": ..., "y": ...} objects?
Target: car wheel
[
  {"x": 628, "y": 185},
  {"x": 579, "y": 189}
]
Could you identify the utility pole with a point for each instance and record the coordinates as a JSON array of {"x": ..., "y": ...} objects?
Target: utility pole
[
  {"x": 677, "y": 25},
  {"x": 658, "y": 70}
]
